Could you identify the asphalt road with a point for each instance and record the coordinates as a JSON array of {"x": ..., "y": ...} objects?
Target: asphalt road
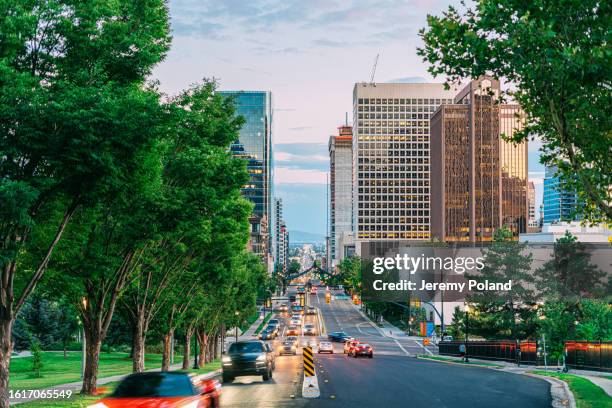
[{"x": 393, "y": 378}]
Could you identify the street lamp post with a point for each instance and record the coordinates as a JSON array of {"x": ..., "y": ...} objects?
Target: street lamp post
[
  {"x": 467, "y": 330},
  {"x": 84, "y": 341},
  {"x": 237, "y": 313}
]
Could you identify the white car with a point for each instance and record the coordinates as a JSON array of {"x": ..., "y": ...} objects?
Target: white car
[
  {"x": 295, "y": 322},
  {"x": 309, "y": 329},
  {"x": 326, "y": 347}
]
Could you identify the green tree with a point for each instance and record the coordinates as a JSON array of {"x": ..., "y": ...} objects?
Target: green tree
[
  {"x": 73, "y": 118},
  {"x": 557, "y": 57},
  {"x": 569, "y": 275},
  {"x": 503, "y": 313}
]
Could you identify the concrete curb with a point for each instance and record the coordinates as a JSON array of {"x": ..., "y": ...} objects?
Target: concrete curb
[
  {"x": 562, "y": 396},
  {"x": 310, "y": 387}
]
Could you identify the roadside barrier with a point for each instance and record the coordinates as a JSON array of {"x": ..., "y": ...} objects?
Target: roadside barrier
[{"x": 310, "y": 386}]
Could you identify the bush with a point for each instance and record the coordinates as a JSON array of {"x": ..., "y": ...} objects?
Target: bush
[{"x": 37, "y": 363}]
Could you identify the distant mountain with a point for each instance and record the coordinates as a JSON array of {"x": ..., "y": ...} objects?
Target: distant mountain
[{"x": 303, "y": 237}]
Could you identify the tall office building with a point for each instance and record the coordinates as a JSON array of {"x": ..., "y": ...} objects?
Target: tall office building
[
  {"x": 559, "y": 202},
  {"x": 533, "y": 223},
  {"x": 254, "y": 144},
  {"x": 281, "y": 238},
  {"x": 479, "y": 181},
  {"x": 340, "y": 189},
  {"x": 391, "y": 142}
]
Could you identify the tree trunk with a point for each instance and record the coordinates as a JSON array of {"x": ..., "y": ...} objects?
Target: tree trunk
[
  {"x": 203, "y": 340},
  {"x": 167, "y": 349},
  {"x": 92, "y": 359},
  {"x": 138, "y": 358},
  {"x": 187, "y": 348},
  {"x": 6, "y": 348}
]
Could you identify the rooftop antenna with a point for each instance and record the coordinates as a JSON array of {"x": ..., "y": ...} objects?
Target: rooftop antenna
[
  {"x": 374, "y": 69},
  {"x": 345, "y": 118}
]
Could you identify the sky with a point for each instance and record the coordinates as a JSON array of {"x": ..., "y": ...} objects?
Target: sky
[{"x": 309, "y": 54}]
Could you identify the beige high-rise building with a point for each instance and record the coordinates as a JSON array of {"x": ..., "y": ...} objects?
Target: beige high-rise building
[
  {"x": 479, "y": 180},
  {"x": 340, "y": 189},
  {"x": 391, "y": 159}
]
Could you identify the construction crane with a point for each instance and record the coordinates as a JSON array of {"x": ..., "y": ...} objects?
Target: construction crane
[{"x": 374, "y": 69}]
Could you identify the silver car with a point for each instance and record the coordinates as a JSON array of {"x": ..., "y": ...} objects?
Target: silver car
[{"x": 326, "y": 347}]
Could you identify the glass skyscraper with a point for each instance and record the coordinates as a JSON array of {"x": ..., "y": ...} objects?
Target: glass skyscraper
[
  {"x": 559, "y": 202},
  {"x": 255, "y": 145}
]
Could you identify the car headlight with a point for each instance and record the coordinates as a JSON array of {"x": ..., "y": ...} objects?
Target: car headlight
[
  {"x": 261, "y": 358},
  {"x": 226, "y": 359}
]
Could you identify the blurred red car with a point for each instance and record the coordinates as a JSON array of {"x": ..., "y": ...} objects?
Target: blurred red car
[
  {"x": 163, "y": 389},
  {"x": 362, "y": 350}
]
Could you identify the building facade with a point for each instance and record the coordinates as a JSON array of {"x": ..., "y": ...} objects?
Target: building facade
[
  {"x": 254, "y": 144},
  {"x": 479, "y": 180},
  {"x": 281, "y": 238},
  {"x": 559, "y": 202},
  {"x": 391, "y": 159},
  {"x": 341, "y": 188}
]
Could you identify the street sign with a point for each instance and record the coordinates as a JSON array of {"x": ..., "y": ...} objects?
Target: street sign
[{"x": 309, "y": 370}]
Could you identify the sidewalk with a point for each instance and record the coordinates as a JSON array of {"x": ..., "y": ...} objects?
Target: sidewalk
[{"x": 75, "y": 387}]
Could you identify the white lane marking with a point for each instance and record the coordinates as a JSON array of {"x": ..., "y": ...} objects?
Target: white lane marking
[
  {"x": 424, "y": 348},
  {"x": 400, "y": 346}
]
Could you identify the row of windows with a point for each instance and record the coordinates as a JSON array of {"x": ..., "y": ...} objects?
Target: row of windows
[
  {"x": 388, "y": 205},
  {"x": 394, "y": 138},
  {"x": 396, "y": 123},
  {"x": 413, "y": 109},
  {"x": 399, "y": 183},
  {"x": 402, "y": 101},
  {"x": 391, "y": 131},
  {"x": 393, "y": 190},
  {"x": 414, "y": 199},
  {"x": 380, "y": 175},
  {"x": 391, "y": 145},
  {"x": 393, "y": 116},
  {"x": 388, "y": 235},
  {"x": 403, "y": 227}
]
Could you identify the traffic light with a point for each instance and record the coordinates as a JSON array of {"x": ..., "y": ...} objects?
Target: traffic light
[
  {"x": 327, "y": 297},
  {"x": 302, "y": 300},
  {"x": 417, "y": 302}
]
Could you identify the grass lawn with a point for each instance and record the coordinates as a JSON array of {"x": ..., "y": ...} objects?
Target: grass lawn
[
  {"x": 56, "y": 370},
  {"x": 79, "y": 401},
  {"x": 587, "y": 394},
  {"x": 471, "y": 362},
  {"x": 248, "y": 322},
  {"x": 212, "y": 366},
  {"x": 263, "y": 323}
]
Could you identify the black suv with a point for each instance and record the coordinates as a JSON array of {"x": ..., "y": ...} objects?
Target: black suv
[{"x": 248, "y": 358}]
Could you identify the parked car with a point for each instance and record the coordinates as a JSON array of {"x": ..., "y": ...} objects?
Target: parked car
[
  {"x": 348, "y": 346},
  {"x": 338, "y": 337},
  {"x": 361, "y": 349},
  {"x": 326, "y": 347},
  {"x": 167, "y": 389},
  {"x": 252, "y": 357}
]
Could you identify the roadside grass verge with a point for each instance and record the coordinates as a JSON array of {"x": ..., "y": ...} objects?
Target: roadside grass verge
[
  {"x": 453, "y": 360},
  {"x": 586, "y": 394},
  {"x": 212, "y": 366},
  {"x": 57, "y": 370},
  {"x": 263, "y": 323}
]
